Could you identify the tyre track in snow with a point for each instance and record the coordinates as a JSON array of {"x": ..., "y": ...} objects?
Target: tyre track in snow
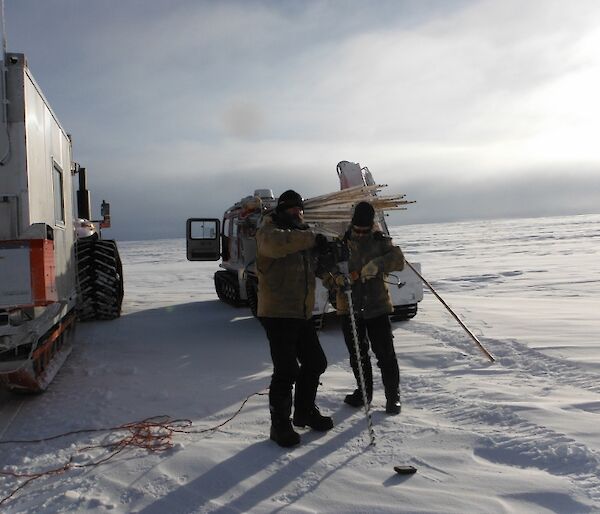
[
  {"x": 514, "y": 356},
  {"x": 10, "y": 406},
  {"x": 507, "y": 438}
]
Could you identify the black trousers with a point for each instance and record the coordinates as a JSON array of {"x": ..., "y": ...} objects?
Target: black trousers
[
  {"x": 297, "y": 359},
  {"x": 379, "y": 332}
]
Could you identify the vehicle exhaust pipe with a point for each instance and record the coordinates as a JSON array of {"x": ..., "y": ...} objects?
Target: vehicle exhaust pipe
[{"x": 83, "y": 196}]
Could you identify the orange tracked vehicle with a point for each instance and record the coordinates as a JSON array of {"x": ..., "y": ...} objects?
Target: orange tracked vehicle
[{"x": 48, "y": 276}]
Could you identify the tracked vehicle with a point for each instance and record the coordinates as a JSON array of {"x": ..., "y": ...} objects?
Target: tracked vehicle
[
  {"x": 48, "y": 277},
  {"x": 232, "y": 239}
]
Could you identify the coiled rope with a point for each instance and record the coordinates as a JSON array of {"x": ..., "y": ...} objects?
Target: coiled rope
[{"x": 154, "y": 434}]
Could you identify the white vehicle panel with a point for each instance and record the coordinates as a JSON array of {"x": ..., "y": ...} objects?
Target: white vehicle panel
[{"x": 15, "y": 277}]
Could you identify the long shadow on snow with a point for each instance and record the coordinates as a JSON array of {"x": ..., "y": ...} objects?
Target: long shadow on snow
[
  {"x": 193, "y": 360},
  {"x": 265, "y": 458},
  {"x": 188, "y": 360}
]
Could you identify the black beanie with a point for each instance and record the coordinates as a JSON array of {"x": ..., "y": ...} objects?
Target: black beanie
[
  {"x": 363, "y": 215},
  {"x": 289, "y": 199}
]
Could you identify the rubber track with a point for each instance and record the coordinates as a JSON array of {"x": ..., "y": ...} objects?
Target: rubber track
[
  {"x": 227, "y": 288},
  {"x": 252, "y": 293},
  {"x": 100, "y": 275}
]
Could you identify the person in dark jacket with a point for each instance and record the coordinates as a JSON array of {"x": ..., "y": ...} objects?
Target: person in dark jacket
[
  {"x": 371, "y": 255},
  {"x": 285, "y": 265}
]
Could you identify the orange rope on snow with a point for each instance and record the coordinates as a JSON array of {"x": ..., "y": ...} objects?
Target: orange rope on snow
[{"x": 153, "y": 434}]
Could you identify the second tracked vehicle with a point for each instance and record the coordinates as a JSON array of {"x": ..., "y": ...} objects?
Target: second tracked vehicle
[{"x": 232, "y": 239}]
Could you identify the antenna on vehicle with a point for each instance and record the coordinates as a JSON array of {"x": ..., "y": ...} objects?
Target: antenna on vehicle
[
  {"x": 3, "y": 30},
  {"x": 4, "y": 86}
]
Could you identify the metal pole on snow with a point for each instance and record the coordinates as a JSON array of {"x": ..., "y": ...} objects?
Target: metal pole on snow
[
  {"x": 473, "y": 336},
  {"x": 361, "y": 375}
]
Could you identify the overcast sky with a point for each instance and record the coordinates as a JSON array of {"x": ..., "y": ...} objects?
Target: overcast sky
[{"x": 178, "y": 108}]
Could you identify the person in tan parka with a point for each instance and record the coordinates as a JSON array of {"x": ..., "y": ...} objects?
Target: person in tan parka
[{"x": 285, "y": 266}]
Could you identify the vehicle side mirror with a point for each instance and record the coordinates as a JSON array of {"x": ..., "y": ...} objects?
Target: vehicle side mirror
[{"x": 105, "y": 213}]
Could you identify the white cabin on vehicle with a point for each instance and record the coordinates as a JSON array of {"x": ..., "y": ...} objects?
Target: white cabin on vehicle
[{"x": 36, "y": 159}]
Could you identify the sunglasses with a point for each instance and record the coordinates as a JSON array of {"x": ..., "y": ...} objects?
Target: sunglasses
[{"x": 361, "y": 230}]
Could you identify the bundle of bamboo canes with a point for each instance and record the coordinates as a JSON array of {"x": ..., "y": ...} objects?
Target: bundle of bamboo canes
[{"x": 331, "y": 212}]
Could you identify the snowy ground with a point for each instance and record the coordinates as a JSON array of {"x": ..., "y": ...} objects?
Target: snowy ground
[{"x": 519, "y": 435}]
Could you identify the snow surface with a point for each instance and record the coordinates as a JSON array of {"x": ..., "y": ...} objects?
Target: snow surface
[{"x": 519, "y": 435}]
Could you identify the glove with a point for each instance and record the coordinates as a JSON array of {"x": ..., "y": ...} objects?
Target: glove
[
  {"x": 369, "y": 271},
  {"x": 341, "y": 280},
  {"x": 321, "y": 244}
]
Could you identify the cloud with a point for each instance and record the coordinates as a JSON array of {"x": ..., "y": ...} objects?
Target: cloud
[
  {"x": 185, "y": 103},
  {"x": 170, "y": 202},
  {"x": 243, "y": 120},
  {"x": 531, "y": 193}
]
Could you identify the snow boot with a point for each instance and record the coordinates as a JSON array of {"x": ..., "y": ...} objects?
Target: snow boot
[
  {"x": 393, "y": 405},
  {"x": 283, "y": 433},
  {"x": 390, "y": 374},
  {"x": 314, "y": 419},
  {"x": 355, "y": 399}
]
